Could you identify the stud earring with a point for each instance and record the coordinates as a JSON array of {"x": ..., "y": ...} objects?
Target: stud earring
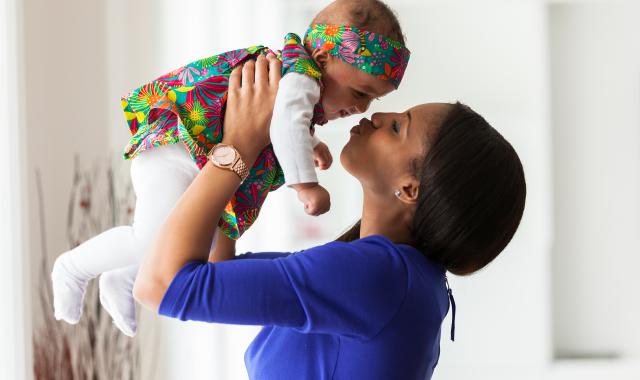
[{"x": 397, "y": 193}]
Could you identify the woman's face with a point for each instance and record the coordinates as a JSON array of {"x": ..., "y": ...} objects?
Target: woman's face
[
  {"x": 380, "y": 151},
  {"x": 347, "y": 90}
]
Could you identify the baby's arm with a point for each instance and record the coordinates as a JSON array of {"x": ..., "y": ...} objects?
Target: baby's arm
[{"x": 292, "y": 142}]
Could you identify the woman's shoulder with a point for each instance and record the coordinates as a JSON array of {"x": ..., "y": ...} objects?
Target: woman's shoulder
[
  {"x": 383, "y": 245},
  {"x": 424, "y": 275},
  {"x": 365, "y": 258},
  {"x": 375, "y": 255},
  {"x": 382, "y": 253},
  {"x": 366, "y": 248}
]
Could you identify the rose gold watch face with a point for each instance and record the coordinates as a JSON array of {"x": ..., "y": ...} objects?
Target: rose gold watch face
[{"x": 224, "y": 155}]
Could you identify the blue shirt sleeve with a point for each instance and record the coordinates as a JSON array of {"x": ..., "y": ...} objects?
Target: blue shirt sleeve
[
  {"x": 262, "y": 255},
  {"x": 351, "y": 289}
]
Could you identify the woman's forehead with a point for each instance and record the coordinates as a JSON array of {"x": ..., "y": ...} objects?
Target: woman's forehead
[{"x": 428, "y": 117}]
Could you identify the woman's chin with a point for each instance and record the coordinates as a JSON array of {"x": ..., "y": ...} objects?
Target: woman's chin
[{"x": 346, "y": 159}]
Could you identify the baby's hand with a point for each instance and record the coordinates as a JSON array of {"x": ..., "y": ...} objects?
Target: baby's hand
[
  {"x": 322, "y": 157},
  {"x": 316, "y": 198}
]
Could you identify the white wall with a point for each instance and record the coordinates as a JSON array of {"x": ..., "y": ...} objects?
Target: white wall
[
  {"x": 15, "y": 321},
  {"x": 64, "y": 114},
  {"x": 596, "y": 98}
]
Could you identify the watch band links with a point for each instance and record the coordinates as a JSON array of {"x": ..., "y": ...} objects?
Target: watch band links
[{"x": 237, "y": 166}]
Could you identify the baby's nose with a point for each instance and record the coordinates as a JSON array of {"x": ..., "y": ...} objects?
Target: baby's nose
[{"x": 362, "y": 108}]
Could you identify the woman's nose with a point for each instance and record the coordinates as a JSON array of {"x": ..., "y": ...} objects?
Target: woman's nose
[
  {"x": 364, "y": 122},
  {"x": 375, "y": 120}
]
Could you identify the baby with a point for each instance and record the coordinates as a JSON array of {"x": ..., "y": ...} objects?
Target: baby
[{"x": 351, "y": 54}]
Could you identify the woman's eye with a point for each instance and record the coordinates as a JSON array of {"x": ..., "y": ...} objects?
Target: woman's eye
[{"x": 395, "y": 126}]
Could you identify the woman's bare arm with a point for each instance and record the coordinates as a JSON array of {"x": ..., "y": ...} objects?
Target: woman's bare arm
[
  {"x": 225, "y": 249},
  {"x": 188, "y": 231}
]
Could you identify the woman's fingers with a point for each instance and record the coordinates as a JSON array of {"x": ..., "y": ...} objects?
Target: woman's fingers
[
  {"x": 252, "y": 93},
  {"x": 261, "y": 71},
  {"x": 248, "y": 74},
  {"x": 275, "y": 67},
  {"x": 234, "y": 79}
]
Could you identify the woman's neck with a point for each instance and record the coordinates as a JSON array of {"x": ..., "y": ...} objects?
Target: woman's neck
[{"x": 383, "y": 215}]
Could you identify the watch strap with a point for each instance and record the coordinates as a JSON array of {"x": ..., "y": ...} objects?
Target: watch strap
[
  {"x": 237, "y": 166},
  {"x": 240, "y": 168}
]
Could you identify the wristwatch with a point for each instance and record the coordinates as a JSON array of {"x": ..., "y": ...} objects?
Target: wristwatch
[{"x": 227, "y": 157}]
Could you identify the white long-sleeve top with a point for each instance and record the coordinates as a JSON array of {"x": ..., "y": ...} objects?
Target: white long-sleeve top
[{"x": 290, "y": 131}]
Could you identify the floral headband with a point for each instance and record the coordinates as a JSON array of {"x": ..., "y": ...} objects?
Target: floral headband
[{"x": 372, "y": 53}]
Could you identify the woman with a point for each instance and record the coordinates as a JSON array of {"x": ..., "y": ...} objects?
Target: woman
[{"x": 443, "y": 191}]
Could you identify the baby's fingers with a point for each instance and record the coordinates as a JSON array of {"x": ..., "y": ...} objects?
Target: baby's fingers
[{"x": 328, "y": 160}]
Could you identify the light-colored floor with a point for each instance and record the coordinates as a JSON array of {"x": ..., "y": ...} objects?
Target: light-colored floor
[{"x": 559, "y": 370}]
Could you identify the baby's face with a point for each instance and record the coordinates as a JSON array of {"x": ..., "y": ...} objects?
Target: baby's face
[{"x": 349, "y": 91}]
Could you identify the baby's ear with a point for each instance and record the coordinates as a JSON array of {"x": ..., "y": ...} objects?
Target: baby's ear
[{"x": 321, "y": 57}]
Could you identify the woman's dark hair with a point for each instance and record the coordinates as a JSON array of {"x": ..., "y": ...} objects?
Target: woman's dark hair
[{"x": 471, "y": 196}]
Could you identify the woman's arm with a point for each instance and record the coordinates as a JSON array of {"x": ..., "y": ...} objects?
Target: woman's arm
[
  {"x": 188, "y": 231},
  {"x": 351, "y": 289},
  {"x": 224, "y": 249}
]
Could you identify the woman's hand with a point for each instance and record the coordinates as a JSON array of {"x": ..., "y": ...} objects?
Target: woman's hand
[{"x": 251, "y": 97}]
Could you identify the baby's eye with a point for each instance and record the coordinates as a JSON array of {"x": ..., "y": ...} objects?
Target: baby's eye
[{"x": 358, "y": 94}]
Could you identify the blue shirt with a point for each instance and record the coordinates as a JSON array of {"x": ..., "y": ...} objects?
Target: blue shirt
[{"x": 367, "y": 309}]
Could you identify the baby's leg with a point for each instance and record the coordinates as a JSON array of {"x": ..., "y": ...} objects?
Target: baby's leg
[
  {"x": 72, "y": 270},
  {"x": 159, "y": 176},
  {"x": 116, "y": 297},
  {"x": 116, "y": 286}
]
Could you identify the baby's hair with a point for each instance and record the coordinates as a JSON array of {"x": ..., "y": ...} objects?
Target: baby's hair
[{"x": 370, "y": 15}]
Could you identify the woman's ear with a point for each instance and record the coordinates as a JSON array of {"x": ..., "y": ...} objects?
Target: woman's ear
[
  {"x": 408, "y": 192},
  {"x": 321, "y": 57}
]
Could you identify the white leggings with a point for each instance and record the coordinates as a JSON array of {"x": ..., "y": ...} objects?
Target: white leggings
[{"x": 159, "y": 175}]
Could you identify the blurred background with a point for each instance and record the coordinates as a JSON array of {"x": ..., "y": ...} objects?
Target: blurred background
[{"x": 560, "y": 79}]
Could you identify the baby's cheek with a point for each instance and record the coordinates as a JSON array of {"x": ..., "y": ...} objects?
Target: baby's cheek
[
  {"x": 337, "y": 99},
  {"x": 329, "y": 102}
]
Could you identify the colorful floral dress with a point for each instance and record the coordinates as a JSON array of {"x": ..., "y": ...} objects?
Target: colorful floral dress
[{"x": 188, "y": 104}]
